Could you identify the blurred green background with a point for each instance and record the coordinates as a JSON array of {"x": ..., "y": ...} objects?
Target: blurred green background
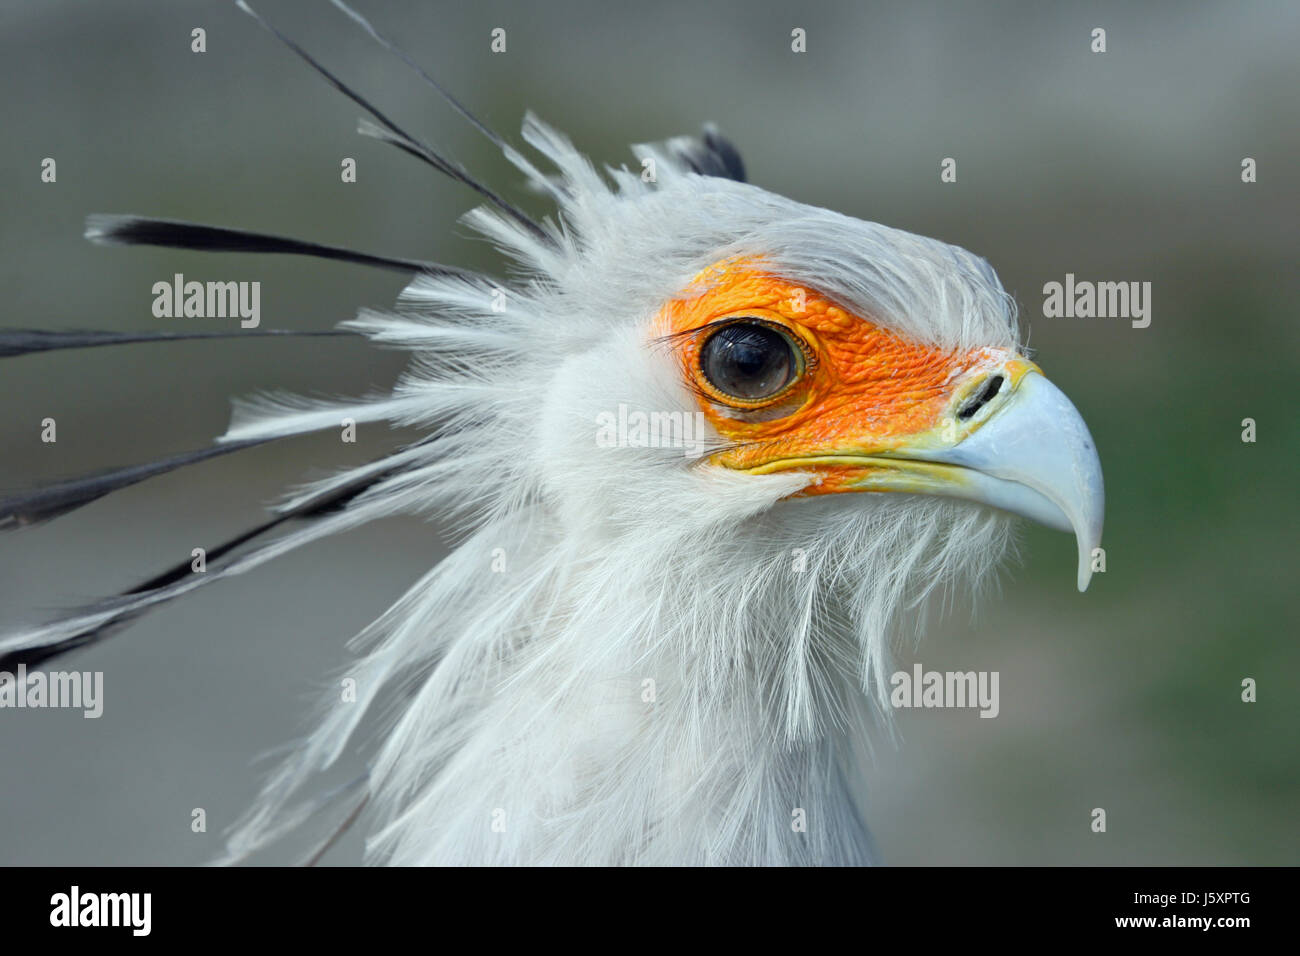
[{"x": 1115, "y": 166}]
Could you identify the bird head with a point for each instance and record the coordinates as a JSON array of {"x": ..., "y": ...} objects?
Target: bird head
[{"x": 705, "y": 350}]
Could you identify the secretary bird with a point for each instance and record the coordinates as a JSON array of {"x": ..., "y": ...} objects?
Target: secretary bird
[{"x": 714, "y": 448}]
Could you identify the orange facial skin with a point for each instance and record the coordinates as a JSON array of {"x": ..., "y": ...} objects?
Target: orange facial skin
[{"x": 864, "y": 390}]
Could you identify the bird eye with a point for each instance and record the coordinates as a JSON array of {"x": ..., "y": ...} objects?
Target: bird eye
[{"x": 749, "y": 360}]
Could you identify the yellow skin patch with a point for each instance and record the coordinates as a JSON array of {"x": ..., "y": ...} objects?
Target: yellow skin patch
[{"x": 863, "y": 390}]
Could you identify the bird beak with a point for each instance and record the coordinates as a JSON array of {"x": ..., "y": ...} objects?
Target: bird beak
[
  {"x": 1027, "y": 452},
  {"x": 1033, "y": 457}
]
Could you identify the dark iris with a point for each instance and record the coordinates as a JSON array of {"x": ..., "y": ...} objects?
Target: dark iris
[
  {"x": 748, "y": 360},
  {"x": 986, "y": 394}
]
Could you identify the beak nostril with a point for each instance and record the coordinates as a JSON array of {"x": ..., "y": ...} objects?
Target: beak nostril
[{"x": 986, "y": 394}]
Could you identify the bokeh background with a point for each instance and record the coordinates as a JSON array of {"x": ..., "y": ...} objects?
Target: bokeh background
[{"x": 1118, "y": 166}]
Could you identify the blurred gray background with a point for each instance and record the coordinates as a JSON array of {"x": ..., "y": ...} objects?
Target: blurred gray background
[{"x": 1122, "y": 166}]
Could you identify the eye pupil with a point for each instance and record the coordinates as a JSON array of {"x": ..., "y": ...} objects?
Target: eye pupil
[{"x": 748, "y": 360}]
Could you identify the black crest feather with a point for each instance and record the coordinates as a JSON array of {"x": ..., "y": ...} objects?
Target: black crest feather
[
  {"x": 14, "y": 342},
  {"x": 128, "y": 230},
  {"x": 709, "y": 154},
  {"x": 43, "y": 504},
  {"x": 410, "y": 143}
]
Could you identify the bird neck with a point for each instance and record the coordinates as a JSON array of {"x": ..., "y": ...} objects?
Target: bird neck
[{"x": 600, "y": 706}]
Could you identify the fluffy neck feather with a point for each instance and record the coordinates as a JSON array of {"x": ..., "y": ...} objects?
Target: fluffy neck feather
[
  {"x": 586, "y": 712},
  {"x": 682, "y": 701}
]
